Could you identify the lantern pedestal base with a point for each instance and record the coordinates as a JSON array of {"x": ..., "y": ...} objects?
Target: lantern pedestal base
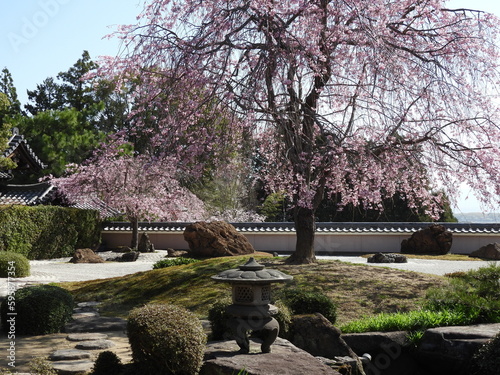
[{"x": 267, "y": 327}]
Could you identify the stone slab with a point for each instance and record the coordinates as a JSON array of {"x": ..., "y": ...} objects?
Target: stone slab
[
  {"x": 95, "y": 345},
  {"x": 96, "y": 324},
  {"x": 69, "y": 354},
  {"x": 222, "y": 358},
  {"x": 448, "y": 350},
  {"x": 79, "y": 367},
  {"x": 92, "y": 304},
  {"x": 477, "y": 331},
  {"x": 87, "y": 314},
  {"x": 89, "y": 336}
]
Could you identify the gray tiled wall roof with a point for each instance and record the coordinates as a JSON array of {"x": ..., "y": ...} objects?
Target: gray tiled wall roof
[{"x": 338, "y": 228}]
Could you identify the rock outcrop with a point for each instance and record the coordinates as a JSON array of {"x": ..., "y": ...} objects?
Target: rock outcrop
[
  {"x": 448, "y": 350},
  {"x": 387, "y": 258},
  {"x": 433, "y": 240},
  {"x": 222, "y": 358},
  {"x": 490, "y": 251},
  {"x": 86, "y": 256},
  {"x": 215, "y": 239},
  {"x": 317, "y": 336},
  {"x": 145, "y": 245}
]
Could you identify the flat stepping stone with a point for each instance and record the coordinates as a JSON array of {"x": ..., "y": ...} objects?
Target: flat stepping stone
[
  {"x": 88, "y": 304},
  {"x": 69, "y": 354},
  {"x": 87, "y": 314},
  {"x": 91, "y": 336},
  {"x": 96, "y": 324},
  {"x": 73, "y": 367},
  {"x": 95, "y": 345}
]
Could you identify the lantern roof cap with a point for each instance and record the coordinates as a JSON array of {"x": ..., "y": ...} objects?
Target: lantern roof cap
[{"x": 252, "y": 272}]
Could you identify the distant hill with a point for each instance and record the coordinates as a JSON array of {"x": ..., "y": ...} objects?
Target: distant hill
[{"x": 478, "y": 217}]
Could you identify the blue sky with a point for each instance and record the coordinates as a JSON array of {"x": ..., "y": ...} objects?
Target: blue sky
[{"x": 40, "y": 38}]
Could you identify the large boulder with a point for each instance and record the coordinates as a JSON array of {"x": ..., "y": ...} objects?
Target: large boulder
[
  {"x": 145, "y": 245},
  {"x": 215, "y": 239},
  {"x": 433, "y": 240},
  {"x": 222, "y": 358},
  {"x": 490, "y": 251},
  {"x": 86, "y": 256},
  {"x": 449, "y": 350},
  {"x": 317, "y": 336}
]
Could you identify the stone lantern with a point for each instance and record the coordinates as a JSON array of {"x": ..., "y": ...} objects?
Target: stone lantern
[{"x": 251, "y": 309}]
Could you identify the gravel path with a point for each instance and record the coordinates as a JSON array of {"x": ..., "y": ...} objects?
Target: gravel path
[
  {"x": 435, "y": 267},
  {"x": 59, "y": 270}
]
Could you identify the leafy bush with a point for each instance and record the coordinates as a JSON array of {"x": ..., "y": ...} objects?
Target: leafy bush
[
  {"x": 284, "y": 318},
  {"x": 107, "y": 363},
  {"x": 13, "y": 265},
  {"x": 301, "y": 301},
  {"x": 41, "y": 310},
  {"x": 45, "y": 232},
  {"x": 166, "y": 339},
  {"x": 475, "y": 293},
  {"x": 173, "y": 262},
  {"x": 218, "y": 317},
  {"x": 487, "y": 359}
]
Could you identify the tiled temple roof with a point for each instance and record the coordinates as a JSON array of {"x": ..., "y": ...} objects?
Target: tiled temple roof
[
  {"x": 26, "y": 195},
  {"x": 96, "y": 204},
  {"x": 20, "y": 151},
  {"x": 325, "y": 228}
]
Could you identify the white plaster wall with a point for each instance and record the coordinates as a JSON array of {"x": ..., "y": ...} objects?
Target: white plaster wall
[{"x": 324, "y": 243}]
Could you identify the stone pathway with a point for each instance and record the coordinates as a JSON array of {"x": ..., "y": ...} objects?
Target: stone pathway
[{"x": 85, "y": 332}]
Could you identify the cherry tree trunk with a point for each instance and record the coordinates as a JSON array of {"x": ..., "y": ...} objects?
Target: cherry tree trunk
[
  {"x": 135, "y": 232},
  {"x": 305, "y": 227}
]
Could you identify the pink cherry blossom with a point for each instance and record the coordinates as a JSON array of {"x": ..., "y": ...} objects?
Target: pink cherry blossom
[{"x": 362, "y": 98}]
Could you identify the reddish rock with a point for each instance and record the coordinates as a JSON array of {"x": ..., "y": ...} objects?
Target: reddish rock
[
  {"x": 490, "y": 251},
  {"x": 433, "y": 240},
  {"x": 86, "y": 256},
  {"x": 216, "y": 239}
]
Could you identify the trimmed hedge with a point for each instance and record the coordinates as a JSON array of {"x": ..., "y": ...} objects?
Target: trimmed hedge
[
  {"x": 45, "y": 232},
  {"x": 166, "y": 339},
  {"x": 14, "y": 265},
  {"x": 41, "y": 310}
]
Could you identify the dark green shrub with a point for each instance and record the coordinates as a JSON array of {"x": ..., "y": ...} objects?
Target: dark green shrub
[
  {"x": 40, "y": 310},
  {"x": 13, "y": 265},
  {"x": 45, "y": 232},
  {"x": 166, "y": 339},
  {"x": 487, "y": 359},
  {"x": 107, "y": 363},
  {"x": 173, "y": 262},
  {"x": 301, "y": 301},
  {"x": 218, "y": 317}
]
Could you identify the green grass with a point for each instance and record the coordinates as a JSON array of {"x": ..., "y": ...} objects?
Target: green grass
[
  {"x": 468, "y": 298},
  {"x": 408, "y": 321}
]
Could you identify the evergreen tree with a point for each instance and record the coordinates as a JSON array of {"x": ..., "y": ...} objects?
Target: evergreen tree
[{"x": 7, "y": 87}]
